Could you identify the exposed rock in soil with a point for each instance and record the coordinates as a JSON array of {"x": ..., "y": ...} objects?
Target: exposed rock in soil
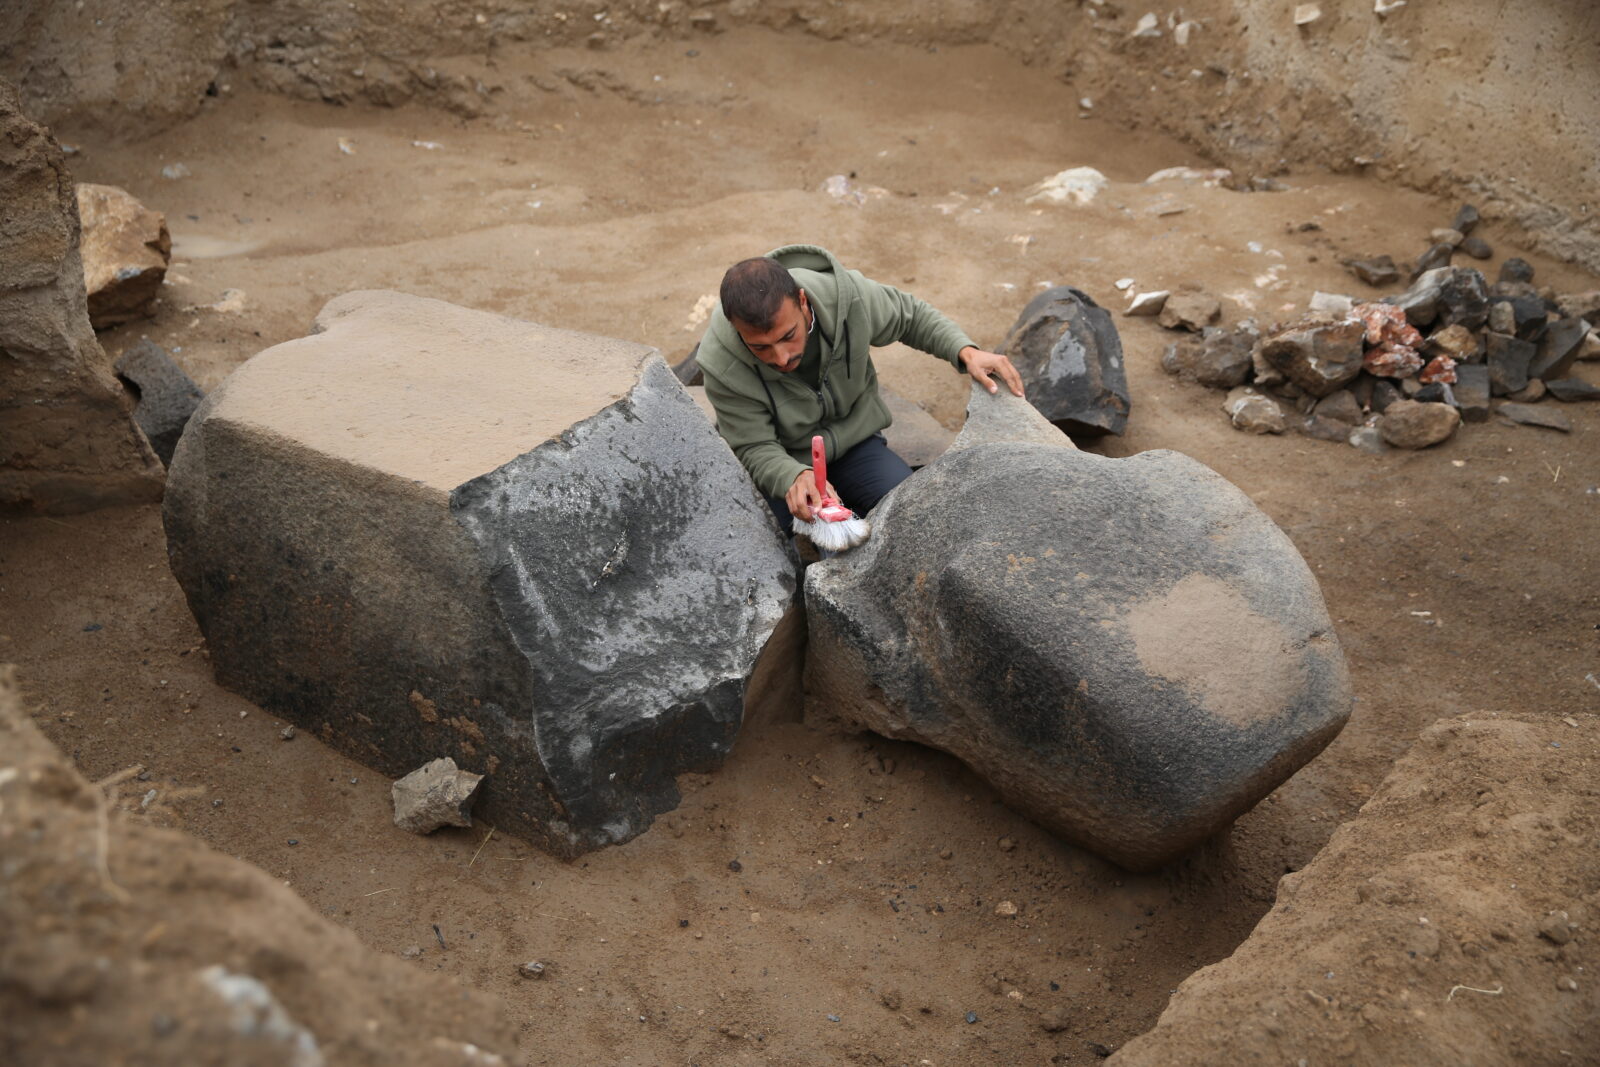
[
  {"x": 483, "y": 557},
  {"x": 1193, "y": 669},
  {"x": 1253, "y": 412},
  {"x": 126, "y": 943},
  {"x": 1558, "y": 349},
  {"x": 1378, "y": 272},
  {"x": 1219, "y": 359},
  {"x": 1569, "y": 390},
  {"x": 125, "y": 252},
  {"x": 1189, "y": 309},
  {"x": 1507, "y": 358},
  {"x": 1472, "y": 392},
  {"x": 1415, "y": 935},
  {"x": 1418, "y": 424},
  {"x": 1448, "y": 295},
  {"x": 1067, "y": 350},
  {"x": 436, "y": 794},
  {"x": 1535, "y": 415},
  {"x": 67, "y": 437},
  {"x": 164, "y": 396},
  {"x": 1318, "y": 358}
]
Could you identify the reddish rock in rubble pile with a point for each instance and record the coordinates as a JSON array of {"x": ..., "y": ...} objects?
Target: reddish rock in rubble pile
[{"x": 1392, "y": 341}]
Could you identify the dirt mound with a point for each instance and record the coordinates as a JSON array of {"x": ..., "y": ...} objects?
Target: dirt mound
[
  {"x": 127, "y": 943},
  {"x": 1450, "y": 922}
]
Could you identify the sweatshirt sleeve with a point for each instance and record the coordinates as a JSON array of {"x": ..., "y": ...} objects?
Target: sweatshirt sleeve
[
  {"x": 899, "y": 316},
  {"x": 746, "y": 424}
]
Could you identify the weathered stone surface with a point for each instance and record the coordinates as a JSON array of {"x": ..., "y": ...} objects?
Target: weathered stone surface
[
  {"x": 1147, "y": 305},
  {"x": 1448, "y": 295},
  {"x": 1503, "y": 318},
  {"x": 1323, "y": 428},
  {"x": 67, "y": 437},
  {"x": 1536, "y": 415},
  {"x": 436, "y": 794},
  {"x": 1589, "y": 350},
  {"x": 1340, "y": 406},
  {"x": 1377, "y": 271},
  {"x": 536, "y": 557},
  {"x": 1220, "y": 359},
  {"x": 1558, "y": 349},
  {"x": 1369, "y": 440},
  {"x": 1067, "y": 350},
  {"x": 164, "y": 396},
  {"x": 1531, "y": 393},
  {"x": 1508, "y": 359},
  {"x": 1472, "y": 392},
  {"x": 1189, "y": 309},
  {"x": 1318, "y": 358},
  {"x": 1515, "y": 269},
  {"x": 1126, "y": 648},
  {"x": 1585, "y": 305},
  {"x": 1436, "y": 257},
  {"x": 1253, "y": 412},
  {"x": 1477, "y": 248},
  {"x": 1447, "y": 236},
  {"x": 1570, "y": 390},
  {"x": 1457, "y": 342},
  {"x": 1383, "y": 394},
  {"x": 1466, "y": 220},
  {"x": 1415, "y": 424},
  {"x": 126, "y": 248}
]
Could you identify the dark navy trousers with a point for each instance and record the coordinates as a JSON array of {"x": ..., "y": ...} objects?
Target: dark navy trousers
[{"x": 864, "y": 475}]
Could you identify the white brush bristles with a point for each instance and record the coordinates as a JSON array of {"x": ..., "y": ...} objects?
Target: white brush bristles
[{"x": 834, "y": 536}]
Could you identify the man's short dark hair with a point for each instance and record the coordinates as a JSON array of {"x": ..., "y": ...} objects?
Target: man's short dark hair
[{"x": 754, "y": 289}]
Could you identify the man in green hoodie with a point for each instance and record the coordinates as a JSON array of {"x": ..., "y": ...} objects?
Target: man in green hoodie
[{"x": 786, "y": 357}]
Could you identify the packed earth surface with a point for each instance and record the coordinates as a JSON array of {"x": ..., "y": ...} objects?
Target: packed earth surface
[{"x": 847, "y": 899}]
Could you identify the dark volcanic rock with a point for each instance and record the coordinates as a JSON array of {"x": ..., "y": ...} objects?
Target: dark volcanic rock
[
  {"x": 1477, "y": 248},
  {"x": 1569, "y": 390},
  {"x": 1466, "y": 220},
  {"x": 1472, "y": 391},
  {"x": 1558, "y": 349},
  {"x": 1341, "y": 405},
  {"x": 164, "y": 396},
  {"x": 1318, "y": 358},
  {"x": 688, "y": 369},
  {"x": 1067, "y": 349},
  {"x": 1127, "y": 649},
  {"x": 1218, "y": 358},
  {"x": 1378, "y": 271},
  {"x": 1535, "y": 415},
  {"x": 1385, "y": 393},
  {"x": 1507, "y": 359},
  {"x": 1515, "y": 269},
  {"x": 485, "y": 558},
  {"x": 1436, "y": 257},
  {"x": 1447, "y": 296}
]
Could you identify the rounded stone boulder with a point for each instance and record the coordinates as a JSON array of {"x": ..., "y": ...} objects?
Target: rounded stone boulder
[
  {"x": 426, "y": 531},
  {"x": 1414, "y": 424},
  {"x": 1127, "y": 649}
]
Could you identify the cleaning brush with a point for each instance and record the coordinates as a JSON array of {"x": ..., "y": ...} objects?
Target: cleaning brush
[{"x": 833, "y": 527}]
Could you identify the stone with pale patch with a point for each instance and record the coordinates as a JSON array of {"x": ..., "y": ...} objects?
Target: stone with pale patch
[
  {"x": 126, "y": 249},
  {"x": 427, "y": 531},
  {"x": 1127, "y": 649}
]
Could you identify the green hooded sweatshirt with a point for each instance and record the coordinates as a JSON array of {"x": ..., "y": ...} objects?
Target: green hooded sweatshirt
[{"x": 768, "y": 417}]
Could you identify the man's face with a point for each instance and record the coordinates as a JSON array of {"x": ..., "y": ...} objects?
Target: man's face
[{"x": 781, "y": 346}]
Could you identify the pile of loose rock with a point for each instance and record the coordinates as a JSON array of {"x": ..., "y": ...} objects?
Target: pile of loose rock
[{"x": 1407, "y": 370}]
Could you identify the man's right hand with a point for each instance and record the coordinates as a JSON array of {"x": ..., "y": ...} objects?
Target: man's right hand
[{"x": 803, "y": 496}]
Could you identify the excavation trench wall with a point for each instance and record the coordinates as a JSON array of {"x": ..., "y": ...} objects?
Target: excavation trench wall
[{"x": 1475, "y": 99}]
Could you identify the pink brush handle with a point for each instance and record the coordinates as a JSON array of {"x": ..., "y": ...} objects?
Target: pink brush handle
[{"x": 819, "y": 465}]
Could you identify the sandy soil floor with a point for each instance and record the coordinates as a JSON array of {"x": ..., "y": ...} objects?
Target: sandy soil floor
[{"x": 607, "y": 191}]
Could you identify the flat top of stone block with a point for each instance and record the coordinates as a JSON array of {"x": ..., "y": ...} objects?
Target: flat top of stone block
[{"x": 427, "y": 390}]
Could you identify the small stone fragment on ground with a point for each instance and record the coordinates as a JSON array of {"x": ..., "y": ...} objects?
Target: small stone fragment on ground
[
  {"x": 1218, "y": 358},
  {"x": 1190, "y": 309},
  {"x": 531, "y": 969},
  {"x": 1466, "y": 220},
  {"x": 1434, "y": 258},
  {"x": 1535, "y": 415},
  {"x": 1077, "y": 185},
  {"x": 1447, "y": 236},
  {"x": 1515, "y": 269},
  {"x": 1319, "y": 357},
  {"x": 1531, "y": 393},
  {"x": 1148, "y": 304},
  {"x": 126, "y": 248},
  {"x": 1378, "y": 271},
  {"x": 1368, "y": 439},
  {"x": 1569, "y": 390},
  {"x": 1558, "y": 348},
  {"x": 436, "y": 794},
  {"x": 1254, "y": 412},
  {"x": 1585, "y": 305},
  {"x": 1507, "y": 358},
  {"x": 1411, "y": 424},
  {"x": 1340, "y": 405},
  {"x": 1477, "y": 248}
]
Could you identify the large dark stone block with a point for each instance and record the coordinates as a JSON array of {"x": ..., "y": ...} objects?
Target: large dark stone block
[
  {"x": 536, "y": 557},
  {"x": 1069, "y": 355},
  {"x": 1128, "y": 649}
]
